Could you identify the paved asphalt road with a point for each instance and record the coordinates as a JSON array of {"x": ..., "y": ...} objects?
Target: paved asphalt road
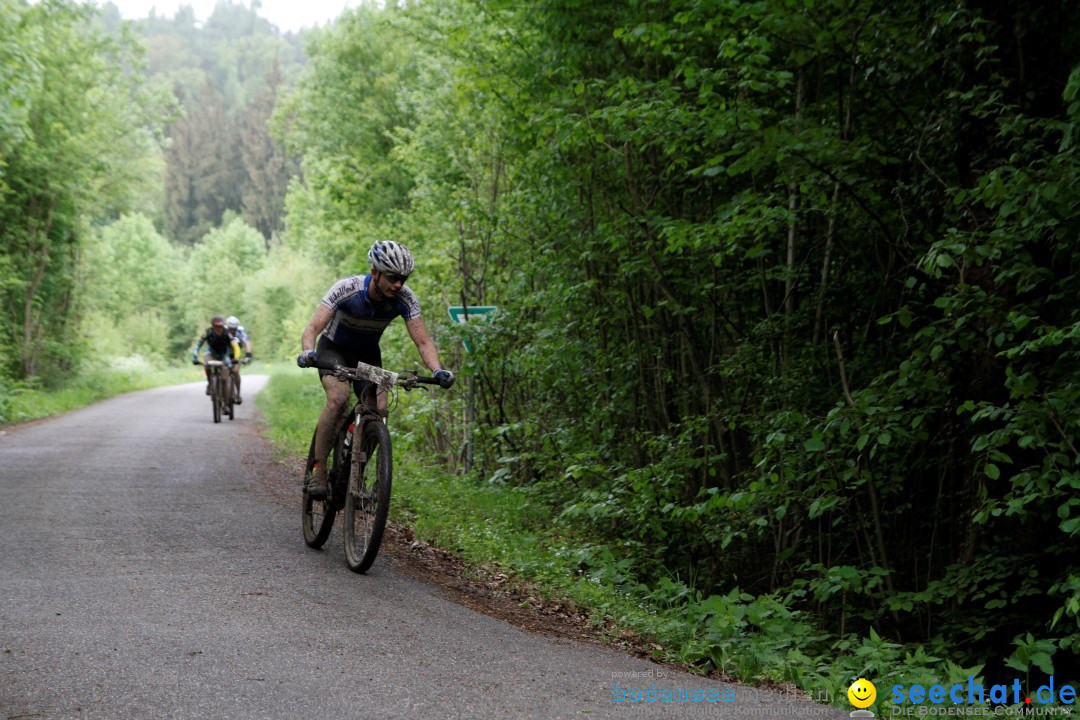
[{"x": 145, "y": 574}]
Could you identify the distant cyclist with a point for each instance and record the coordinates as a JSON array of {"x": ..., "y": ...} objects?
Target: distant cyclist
[
  {"x": 243, "y": 345},
  {"x": 219, "y": 346},
  {"x": 347, "y": 326}
]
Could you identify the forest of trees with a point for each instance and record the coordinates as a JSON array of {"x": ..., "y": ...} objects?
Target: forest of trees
[
  {"x": 134, "y": 154},
  {"x": 226, "y": 74},
  {"x": 787, "y": 290}
]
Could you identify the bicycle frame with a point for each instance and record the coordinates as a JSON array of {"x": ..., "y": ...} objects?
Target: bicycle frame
[
  {"x": 219, "y": 376},
  {"x": 366, "y": 408},
  {"x": 349, "y": 427}
]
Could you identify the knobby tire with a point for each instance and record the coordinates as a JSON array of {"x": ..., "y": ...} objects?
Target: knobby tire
[
  {"x": 367, "y": 502},
  {"x": 215, "y": 396}
]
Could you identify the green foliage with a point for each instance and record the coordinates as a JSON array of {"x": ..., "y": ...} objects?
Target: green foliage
[
  {"x": 234, "y": 49},
  {"x": 343, "y": 124},
  {"x": 279, "y": 299},
  {"x": 131, "y": 289},
  {"x": 203, "y": 169},
  {"x": 221, "y": 266},
  {"x": 785, "y": 292},
  {"x": 225, "y": 74},
  {"x": 74, "y": 149}
]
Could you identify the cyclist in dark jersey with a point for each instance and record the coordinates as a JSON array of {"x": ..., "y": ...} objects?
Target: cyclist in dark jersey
[
  {"x": 219, "y": 346},
  {"x": 346, "y": 328}
]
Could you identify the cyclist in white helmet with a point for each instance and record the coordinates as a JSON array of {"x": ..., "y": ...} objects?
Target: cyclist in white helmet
[
  {"x": 243, "y": 344},
  {"x": 346, "y": 328}
]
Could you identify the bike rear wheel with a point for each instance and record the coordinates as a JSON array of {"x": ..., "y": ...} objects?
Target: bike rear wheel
[
  {"x": 367, "y": 502},
  {"x": 215, "y": 396},
  {"x": 228, "y": 399},
  {"x": 318, "y": 515}
]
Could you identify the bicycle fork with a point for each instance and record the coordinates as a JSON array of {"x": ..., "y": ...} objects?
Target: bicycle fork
[{"x": 357, "y": 456}]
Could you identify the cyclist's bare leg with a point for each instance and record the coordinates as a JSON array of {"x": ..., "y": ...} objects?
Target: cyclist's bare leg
[
  {"x": 337, "y": 394},
  {"x": 236, "y": 380}
]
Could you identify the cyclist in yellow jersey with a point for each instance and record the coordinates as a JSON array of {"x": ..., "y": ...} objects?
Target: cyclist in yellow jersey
[{"x": 241, "y": 351}]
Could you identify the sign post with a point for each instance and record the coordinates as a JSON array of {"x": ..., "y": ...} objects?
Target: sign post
[{"x": 460, "y": 314}]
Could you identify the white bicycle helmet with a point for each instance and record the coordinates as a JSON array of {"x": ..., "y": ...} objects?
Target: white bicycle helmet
[
  {"x": 391, "y": 257},
  {"x": 232, "y": 322}
]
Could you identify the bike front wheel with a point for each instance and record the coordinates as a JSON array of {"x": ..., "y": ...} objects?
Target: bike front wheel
[
  {"x": 228, "y": 399},
  {"x": 367, "y": 502},
  {"x": 318, "y": 515},
  {"x": 215, "y": 397}
]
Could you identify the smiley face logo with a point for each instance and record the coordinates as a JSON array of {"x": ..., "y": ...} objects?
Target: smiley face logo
[{"x": 862, "y": 693}]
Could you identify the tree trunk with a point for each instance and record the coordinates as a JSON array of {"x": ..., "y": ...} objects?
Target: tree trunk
[{"x": 793, "y": 203}]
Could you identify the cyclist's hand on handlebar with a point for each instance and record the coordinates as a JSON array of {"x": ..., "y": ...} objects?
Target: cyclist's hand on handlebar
[
  {"x": 444, "y": 377},
  {"x": 194, "y": 359},
  {"x": 247, "y": 359},
  {"x": 306, "y": 359}
]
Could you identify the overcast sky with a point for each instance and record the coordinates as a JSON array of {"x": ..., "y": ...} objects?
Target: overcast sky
[{"x": 286, "y": 14}]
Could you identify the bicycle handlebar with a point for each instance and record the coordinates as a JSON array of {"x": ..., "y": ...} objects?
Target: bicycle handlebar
[{"x": 383, "y": 379}]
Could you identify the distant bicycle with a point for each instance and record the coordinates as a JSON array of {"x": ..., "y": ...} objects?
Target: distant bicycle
[
  {"x": 221, "y": 395},
  {"x": 359, "y": 469}
]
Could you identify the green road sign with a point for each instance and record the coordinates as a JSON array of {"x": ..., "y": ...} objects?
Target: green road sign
[{"x": 460, "y": 314}]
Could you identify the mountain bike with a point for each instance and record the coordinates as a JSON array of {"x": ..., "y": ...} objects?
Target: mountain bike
[
  {"x": 359, "y": 468},
  {"x": 220, "y": 389}
]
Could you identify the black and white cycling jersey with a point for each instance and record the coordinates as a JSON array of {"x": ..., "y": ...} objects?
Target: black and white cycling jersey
[{"x": 359, "y": 321}]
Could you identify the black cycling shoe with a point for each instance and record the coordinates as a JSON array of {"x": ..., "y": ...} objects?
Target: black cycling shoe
[{"x": 239, "y": 400}]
